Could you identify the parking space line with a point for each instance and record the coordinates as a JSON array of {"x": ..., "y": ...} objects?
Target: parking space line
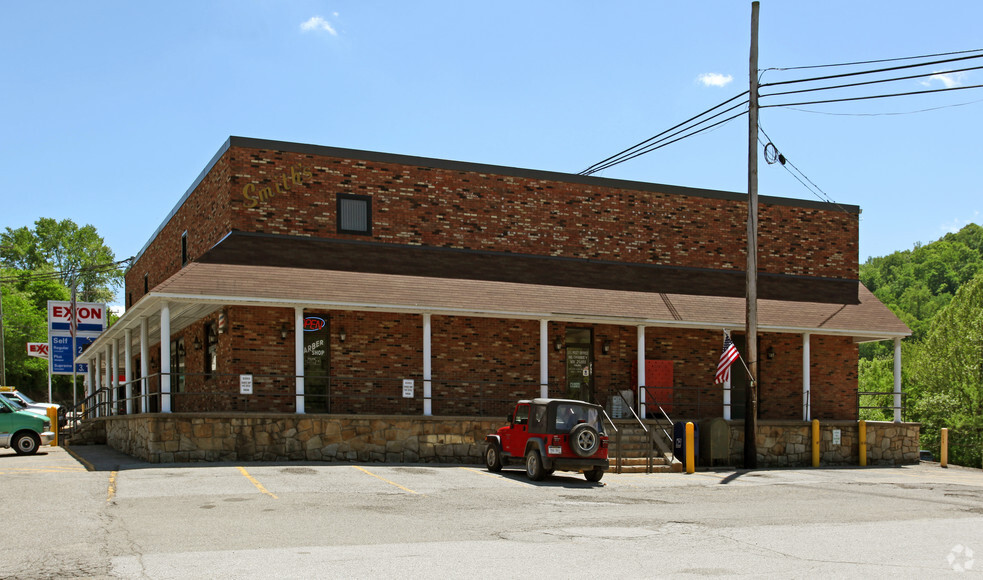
[
  {"x": 12, "y": 470},
  {"x": 363, "y": 470},
  {"x": 258, "y": 485},
  {"x": 495, "y": 475},
  {"x": 88, "y": 466},
  {"x": 111, "y": 492}
]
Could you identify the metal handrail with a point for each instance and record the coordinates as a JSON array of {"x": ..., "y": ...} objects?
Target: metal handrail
[{"x": 649, "y": 460}]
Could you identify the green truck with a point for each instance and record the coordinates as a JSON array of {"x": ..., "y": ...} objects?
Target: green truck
[{"x": 21, "y": 430}]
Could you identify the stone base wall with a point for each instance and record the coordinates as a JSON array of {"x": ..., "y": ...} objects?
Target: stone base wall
[
  {"x": 191, "y": 437},
  {"x": 782, "y": 444},
  {"x": 176, "y": 437}
]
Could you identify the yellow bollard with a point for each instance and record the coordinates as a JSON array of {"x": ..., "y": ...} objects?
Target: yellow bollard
[
  {"x": 815, "y": 442},
  {"x": 53, "y": 417},
  {"x": 862, "y": 436},
  {"x": 690, "y": 452},
  {"x": 944, "y": 452}
]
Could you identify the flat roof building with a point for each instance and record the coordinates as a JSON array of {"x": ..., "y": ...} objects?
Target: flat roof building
[{"x": 354, "y": 282}]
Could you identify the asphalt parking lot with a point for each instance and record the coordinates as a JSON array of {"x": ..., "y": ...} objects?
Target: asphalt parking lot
[{"x": 95, "y": 513}]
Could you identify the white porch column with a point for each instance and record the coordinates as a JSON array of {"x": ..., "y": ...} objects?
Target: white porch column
[
  {"x": 107, "y": 394},
  {"x": 165, "y": 358},
  {"x": 806, "y": 378},
  {"x": 544, "y": 359},
  {"x": 115, "y": 392},
  {"x": 144, "y": 365},
  {"x": 427, "y": 377},
  {"x": 897, "y": 380},
  {"x": 90, "y": 384},
  {"x": 728, "y": 391},
  {"x": 299, "y": 357},
  {"x": 96, "y": 386},
  {"x": 128, "y": 368},
  {"x": 641, "y": 371}
]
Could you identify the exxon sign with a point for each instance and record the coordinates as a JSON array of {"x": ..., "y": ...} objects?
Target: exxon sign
[{"x": 90, "y": 318}]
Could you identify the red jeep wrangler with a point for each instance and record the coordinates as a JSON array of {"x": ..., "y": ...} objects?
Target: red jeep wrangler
[{"x": 549, "y": 435}]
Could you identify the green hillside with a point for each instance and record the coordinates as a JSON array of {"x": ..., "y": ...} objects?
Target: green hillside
[{"x": 937, "y": 290}]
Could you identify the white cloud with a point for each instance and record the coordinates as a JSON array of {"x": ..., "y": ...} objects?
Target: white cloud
[
  {"x": 958, "y": 224},
  {"x": 318, "y": 24},
  {"x": 949, "y": 80},
  {"x": 714, "y": 79}
]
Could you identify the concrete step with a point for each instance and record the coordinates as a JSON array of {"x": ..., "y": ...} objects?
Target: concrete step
[
  {"x": 656, "y": 460},
  {"x": 674, "y": 468}
]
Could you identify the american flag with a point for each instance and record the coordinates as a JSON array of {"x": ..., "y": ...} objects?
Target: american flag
[{"x": 727, "y": 358}]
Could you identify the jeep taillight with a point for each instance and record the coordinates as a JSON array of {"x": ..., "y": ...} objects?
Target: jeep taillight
[{"x": 604, "y": 443}]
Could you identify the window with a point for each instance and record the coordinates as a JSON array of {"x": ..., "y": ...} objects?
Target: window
[
  {"x": 211, "y": 349},
  {"x": 354, "y": 214},
  {"x": 178, "y": 359},
  {"x": 184, "y": 249},
  {"x": 521, "y": 415},
  {"x": 146, "y": 283}
]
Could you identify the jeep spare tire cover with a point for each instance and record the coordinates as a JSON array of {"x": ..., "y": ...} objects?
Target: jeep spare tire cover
[{"x": 584, "y": 440}]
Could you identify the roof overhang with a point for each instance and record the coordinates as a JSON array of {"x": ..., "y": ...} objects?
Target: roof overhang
[{"x": 200, "y": 289}]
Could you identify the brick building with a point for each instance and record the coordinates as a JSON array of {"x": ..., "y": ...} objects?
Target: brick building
[{"x": 354, "y": 282}]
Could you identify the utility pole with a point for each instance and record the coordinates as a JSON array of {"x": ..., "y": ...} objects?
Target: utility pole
[
  {"x": 751, "y": 393},
  {"x": 3, "y": 361}
]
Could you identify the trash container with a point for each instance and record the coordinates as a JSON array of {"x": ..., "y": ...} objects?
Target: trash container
[
  {"x": 679, "y": 441},
  {"x": 715, "y": 444}
]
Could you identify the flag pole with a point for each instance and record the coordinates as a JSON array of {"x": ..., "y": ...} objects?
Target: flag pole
[{"x": 740, "y": 358}]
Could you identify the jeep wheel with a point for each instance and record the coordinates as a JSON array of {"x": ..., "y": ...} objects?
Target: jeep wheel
[
  {"x": 584, "y": 440},
  {"x": 594, "y": 475},
  {"x": 534, "y": 465},
  {"x": 26, "y": 443},
  {"x": 493, "y": 458}
]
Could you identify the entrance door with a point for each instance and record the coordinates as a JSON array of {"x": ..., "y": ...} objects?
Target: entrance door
[
  {"x": 317, "y": 363},
  {"x": 580, "y": 364}
]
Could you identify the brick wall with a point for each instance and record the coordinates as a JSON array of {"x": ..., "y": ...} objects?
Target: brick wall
[
  {"x": 295, "y": 194},
  {"x": 205, "y": 215},
  {"x": 480, "y": 366}
]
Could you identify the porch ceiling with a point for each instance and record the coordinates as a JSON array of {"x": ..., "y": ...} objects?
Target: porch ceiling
[{"x": 200, "y": 289}]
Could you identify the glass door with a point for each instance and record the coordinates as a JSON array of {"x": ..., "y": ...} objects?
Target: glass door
[{"x": 580, "y": 364}]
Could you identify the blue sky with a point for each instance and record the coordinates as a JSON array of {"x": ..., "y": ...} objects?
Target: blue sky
[{"x": 112, "y": 108}]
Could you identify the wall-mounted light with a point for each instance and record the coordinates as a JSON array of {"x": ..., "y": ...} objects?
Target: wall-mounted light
[
  {"x": 771, "y": 352},
  {"x": 283, "y": 331},
  {"x": 197, "y": 343},
  {"x": 558, "y": 344},
  {"x": 606, "y": 347},
  {"x": 342, "y": 335}
]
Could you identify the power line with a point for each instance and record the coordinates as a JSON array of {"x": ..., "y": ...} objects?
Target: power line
[
  {"x": 655, "y": 138},
  {"x": 875, "y": 61},
  {"x": 860, "y": 84},
  {"x": 872, "y": 71},
  {"x": 804, "y": 179},
  {"x": 662, "y": 144},
  {"x": 61, "y": 274},
  {"x": 887, "y": 114},
  {"x": 873, "y": 97}
]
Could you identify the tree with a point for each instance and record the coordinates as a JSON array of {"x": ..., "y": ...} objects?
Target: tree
[
  {"x": 43, "y": 264},
  {"x": 946, "y": 374},
  {"x": 24, "y": 322},
  {"x": 79, "y": 256}
]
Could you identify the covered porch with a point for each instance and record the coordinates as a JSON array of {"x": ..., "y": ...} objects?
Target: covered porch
[{"x": 432, "y": 317}]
